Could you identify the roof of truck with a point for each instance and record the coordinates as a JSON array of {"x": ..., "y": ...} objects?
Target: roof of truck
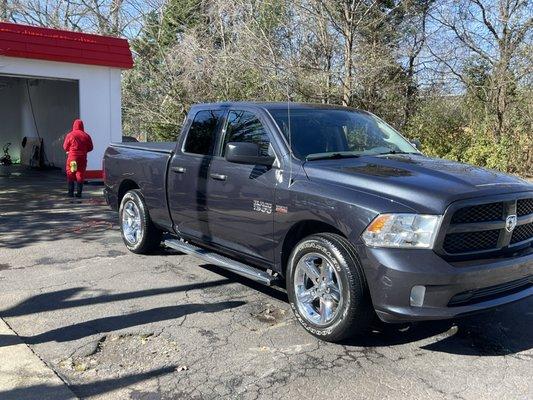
[{"x": 275, "y": 105}]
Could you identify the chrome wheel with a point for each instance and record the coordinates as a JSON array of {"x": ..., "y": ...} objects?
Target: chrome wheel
[
  {"x": 318, "y": 289},
  {"x": 131, "y": 222}
]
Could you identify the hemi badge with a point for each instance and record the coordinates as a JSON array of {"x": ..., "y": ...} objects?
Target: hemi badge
[{"x": 282, "y": 209}]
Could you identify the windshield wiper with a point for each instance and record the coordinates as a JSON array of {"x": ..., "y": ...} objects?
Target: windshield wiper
[
  {"x": 395, "y": 152},
  {"x": 330, "y": 156}
]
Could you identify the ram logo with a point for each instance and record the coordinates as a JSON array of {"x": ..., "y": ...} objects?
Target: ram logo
[{"x": 510, "y": 223}]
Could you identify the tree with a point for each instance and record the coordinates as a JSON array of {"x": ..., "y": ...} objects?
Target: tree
[
  {"x": 413, "y": 42},
  {"x": 494, "y": 32},
  {"x": 106, "y": 17}
]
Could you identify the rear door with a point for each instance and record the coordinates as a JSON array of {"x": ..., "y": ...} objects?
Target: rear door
[
  {"x": 189, "y": 174},
  {"x": 241, "y": 197}
]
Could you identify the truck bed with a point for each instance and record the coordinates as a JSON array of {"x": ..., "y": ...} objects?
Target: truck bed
[{"x": 143, "y": 165}]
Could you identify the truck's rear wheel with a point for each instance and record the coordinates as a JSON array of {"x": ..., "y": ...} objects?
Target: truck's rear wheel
[
  {"x": 327, "y": 288},
  {"x": 138, "y": 232}
]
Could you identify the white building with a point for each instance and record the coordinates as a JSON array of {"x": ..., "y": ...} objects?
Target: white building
[{"x": 48, "y": 78}]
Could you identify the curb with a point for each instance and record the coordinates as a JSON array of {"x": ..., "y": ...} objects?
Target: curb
[{"x": 23, "y": 375}]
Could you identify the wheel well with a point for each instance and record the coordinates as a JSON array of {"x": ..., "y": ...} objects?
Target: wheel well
[
  {"x": 124, "y": 188},
  {"x": 299, "y": 231}
]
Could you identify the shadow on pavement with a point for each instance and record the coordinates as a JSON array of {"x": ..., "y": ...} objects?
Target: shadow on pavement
[
  {"x": 83, "y": 390},
  {"x": 58, "y": 300},
  {"x": 118, "y": 322},
  {"x": 34, "y": 392},
  {"x": 8, "y": 340},
  {"x": 96, "y": 388},
  {"x": 504, "y": 331},
  {"x": 34, "y": 208}
]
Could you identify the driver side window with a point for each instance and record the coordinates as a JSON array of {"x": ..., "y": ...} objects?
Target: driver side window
[{"x": 244, "y": 126}]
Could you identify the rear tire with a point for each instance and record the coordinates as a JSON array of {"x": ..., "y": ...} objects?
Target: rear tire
[
  {"x": 327, "y": 288},
  {"x": 138, "y": 231}
]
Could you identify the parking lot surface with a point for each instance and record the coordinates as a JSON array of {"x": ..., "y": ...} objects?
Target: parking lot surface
[{"x": 115, "y": 325}]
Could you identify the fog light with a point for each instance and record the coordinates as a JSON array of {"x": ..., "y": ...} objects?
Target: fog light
[{"x": 417, "y": 296}]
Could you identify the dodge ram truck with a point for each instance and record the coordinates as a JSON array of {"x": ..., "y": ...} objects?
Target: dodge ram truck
[{"x": 333, "y": 204}]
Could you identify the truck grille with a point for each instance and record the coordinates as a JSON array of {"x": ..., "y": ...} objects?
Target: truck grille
[
  {"x": 481, "y": 228},
  {"x": 522, "y": 232},
  {"x": 524, "y": 207},
  {"x": 471, "y": 241},
  {"x": 479, "y": 213}
]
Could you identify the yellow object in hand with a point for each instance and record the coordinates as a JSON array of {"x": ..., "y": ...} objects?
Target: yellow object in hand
[{"x": 73, "y": 166}]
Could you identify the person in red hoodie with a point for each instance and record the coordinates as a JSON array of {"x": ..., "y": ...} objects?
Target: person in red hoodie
[{"x": 77, "y": 144}]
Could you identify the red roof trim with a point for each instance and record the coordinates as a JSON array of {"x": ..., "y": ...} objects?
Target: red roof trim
[{"x": 65, "y": 46}]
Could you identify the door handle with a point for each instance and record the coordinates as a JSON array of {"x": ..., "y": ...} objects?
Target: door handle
[
  {"x": 219, "y": 177},
  {"x": 178, "y": 170}
]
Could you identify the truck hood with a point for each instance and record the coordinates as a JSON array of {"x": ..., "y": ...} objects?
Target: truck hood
[{"x": 424, "y": 184}]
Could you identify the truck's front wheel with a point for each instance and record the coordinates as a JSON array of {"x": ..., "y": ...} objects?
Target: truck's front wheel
[
  {"x": 138, "y": 232},
  {"x": 327, "y": 288}
]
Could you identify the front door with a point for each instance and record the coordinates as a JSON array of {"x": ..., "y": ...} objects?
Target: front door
[
  {"x": 241, "y": 197},
  {"x": 189, "y": 174}
]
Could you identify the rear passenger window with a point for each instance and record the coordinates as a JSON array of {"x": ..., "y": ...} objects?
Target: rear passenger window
[
  {"x": 201, "y": 136},
  {"x": 244, "y": 126}
]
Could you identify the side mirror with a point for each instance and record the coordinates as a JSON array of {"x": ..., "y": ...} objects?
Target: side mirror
[
  {"x": 416, "y": 143},
  {"x": 246, "y": 153}
]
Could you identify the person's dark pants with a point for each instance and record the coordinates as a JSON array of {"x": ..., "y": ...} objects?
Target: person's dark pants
[
  {"x": 77, "y": 177},
  {"x": 70, "y": 189}
]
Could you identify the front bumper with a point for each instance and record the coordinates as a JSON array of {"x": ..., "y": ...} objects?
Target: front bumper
[{"x": 392, "y": 273}]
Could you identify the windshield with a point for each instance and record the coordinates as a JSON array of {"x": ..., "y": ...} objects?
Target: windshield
[{"x": 331, "y": 133}]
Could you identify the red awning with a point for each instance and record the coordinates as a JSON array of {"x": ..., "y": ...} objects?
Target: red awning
[{"x": 66, "y": 46}]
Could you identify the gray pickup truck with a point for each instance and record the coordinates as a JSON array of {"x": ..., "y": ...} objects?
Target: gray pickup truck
[{"x": 336, "y": 203}]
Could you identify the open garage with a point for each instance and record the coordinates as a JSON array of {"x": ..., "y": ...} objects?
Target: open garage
[
  {"x": 48, "y": 78},
  {"x": 34, "y": 111}
]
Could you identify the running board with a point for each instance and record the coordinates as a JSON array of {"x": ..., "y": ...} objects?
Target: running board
[{"x": 237, "y": 267}]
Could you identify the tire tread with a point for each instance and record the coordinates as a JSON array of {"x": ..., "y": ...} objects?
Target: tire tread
[
  {"x": 152, "y": 236},
  {"x": 360, "y": 313}
]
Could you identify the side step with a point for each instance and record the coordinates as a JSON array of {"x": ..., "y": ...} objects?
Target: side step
[{"x": 237, "y": 267}]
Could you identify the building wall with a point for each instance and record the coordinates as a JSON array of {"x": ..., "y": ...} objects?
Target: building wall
[
  {"x": 99, "y": 97},
  {"x": 10, "y": 113}
]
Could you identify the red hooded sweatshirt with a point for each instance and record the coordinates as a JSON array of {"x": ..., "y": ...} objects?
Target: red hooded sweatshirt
[{"x": 77, "y": 142}]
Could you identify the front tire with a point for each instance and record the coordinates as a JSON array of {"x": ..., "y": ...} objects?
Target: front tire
[
  {"x": 327, "y": 288},
  {"x": 138, "y": 232}
]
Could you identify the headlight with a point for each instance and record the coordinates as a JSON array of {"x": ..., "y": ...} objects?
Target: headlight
[{"x": 402, "y": 230}]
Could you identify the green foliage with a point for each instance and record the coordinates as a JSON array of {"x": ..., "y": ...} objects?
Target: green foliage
[
  {"x": 449, "y": 128},
  {"x": 440, "y": 125}
]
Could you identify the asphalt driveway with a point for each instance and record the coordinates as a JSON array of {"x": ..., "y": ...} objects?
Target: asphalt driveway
[{"x": 114, "y": 325}]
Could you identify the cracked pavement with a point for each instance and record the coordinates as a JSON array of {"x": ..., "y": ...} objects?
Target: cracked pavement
[{"x": 114, "y": 325}]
